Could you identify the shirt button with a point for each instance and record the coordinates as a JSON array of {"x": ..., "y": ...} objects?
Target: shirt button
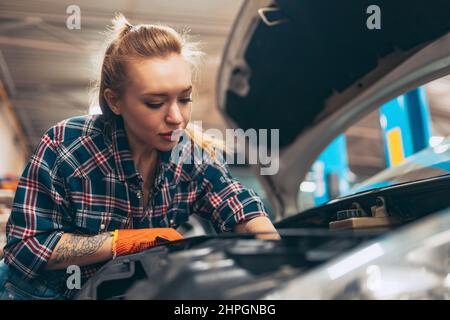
[
  {"x": 171, "y": 221},
  {"x": 102, "y": 227},
  {"x": 139, "y": 194}
]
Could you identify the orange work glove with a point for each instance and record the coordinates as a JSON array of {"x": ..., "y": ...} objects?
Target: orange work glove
[{"x": 127, "y": 241}]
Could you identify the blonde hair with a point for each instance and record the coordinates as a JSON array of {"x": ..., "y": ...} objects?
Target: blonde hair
[{"x": 128, "y": 42}]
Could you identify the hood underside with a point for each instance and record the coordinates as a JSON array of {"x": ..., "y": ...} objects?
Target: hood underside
[
  {"x": 310, "y": 69},
  {"x": 280, "y": 76}
]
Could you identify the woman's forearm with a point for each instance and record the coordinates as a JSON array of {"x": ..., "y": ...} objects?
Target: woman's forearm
[
  {"x": 75, "y": 249},
  {"x": 257, "y": 225}
]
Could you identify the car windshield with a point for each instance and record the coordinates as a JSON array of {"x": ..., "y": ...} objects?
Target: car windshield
[{"x": 406, "y": 139}]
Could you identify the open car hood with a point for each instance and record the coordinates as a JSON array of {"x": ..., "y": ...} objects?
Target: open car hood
[{"x": 310, "y": 69}]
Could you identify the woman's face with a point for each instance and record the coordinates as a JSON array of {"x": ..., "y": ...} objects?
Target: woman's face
[{"x": 156, "y": 103}]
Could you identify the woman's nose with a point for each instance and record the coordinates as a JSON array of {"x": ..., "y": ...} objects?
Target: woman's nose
[{"x": 174, "y": 115}]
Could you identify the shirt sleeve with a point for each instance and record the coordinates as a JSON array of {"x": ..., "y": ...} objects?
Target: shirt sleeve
[
  {"x": 36, "y": 222},
  {"x": 224, "y": 200}
]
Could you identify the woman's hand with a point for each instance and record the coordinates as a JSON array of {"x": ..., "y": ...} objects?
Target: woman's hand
[
  {"x": 88, "y": 249},
  {"x": 128, "y": 241},
  {"x": 257, "y": 225}
]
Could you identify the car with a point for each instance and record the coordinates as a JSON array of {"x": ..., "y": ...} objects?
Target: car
[
  {"x": 430, "y": 162},
  {"x": 311, "y": 70}
]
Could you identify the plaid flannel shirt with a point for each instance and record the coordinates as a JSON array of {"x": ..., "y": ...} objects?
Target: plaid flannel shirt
[{"x": 82, "y": 179}]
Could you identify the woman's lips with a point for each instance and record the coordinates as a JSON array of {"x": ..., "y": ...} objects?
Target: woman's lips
[{"x": 171, "y": 135}]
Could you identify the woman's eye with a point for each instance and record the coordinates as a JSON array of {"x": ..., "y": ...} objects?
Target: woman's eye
[
  {"x": 153, "y": 105},
  {"x": 186, "y": 100}
]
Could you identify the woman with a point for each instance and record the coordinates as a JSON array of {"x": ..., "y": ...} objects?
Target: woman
[{"x": 107, "y": 185}]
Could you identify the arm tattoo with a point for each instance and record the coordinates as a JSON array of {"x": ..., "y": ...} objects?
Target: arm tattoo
[{"x": 79, "y": 246}]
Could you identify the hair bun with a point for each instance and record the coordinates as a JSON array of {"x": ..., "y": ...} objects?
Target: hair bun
[{"x": 121, "y": 25}]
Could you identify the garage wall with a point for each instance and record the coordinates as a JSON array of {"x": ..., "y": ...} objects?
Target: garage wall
[{"x": 12, "y": 160}]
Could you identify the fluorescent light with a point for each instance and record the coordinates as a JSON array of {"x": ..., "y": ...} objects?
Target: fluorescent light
[
  {"x": 436, "y": 140},
  {"x": 308, "y": 186},
  {"x": 441, "y": 148},
  {"x": 383, "y": 121}
]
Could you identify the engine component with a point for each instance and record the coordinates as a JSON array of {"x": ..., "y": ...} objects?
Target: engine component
[{"x": 356, "y": 218}]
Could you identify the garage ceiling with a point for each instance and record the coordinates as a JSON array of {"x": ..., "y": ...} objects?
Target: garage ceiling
[{"x": 47, "y": 68}]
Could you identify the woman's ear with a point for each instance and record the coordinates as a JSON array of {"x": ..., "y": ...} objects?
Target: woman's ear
[{"x": 112, "y": 101}]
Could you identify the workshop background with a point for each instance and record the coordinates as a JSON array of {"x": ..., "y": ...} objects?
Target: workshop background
[{"x": 46, "y": 69}]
